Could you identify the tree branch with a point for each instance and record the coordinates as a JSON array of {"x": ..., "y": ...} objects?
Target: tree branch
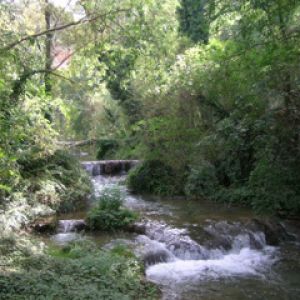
[
  {"x": 77, "y": 143},
  {"x": 61, "y": 27},
  {"x": 63, "y": 77}
]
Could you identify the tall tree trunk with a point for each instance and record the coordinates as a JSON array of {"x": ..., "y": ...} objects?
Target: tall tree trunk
[{"x": 48, "y": 46}]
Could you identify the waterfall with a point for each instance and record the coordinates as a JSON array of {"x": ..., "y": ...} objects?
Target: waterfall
[
  {"x": 109, "y": 167},
  {"x": 68, "y": 231},
  {"x": 66, "y": 226}
]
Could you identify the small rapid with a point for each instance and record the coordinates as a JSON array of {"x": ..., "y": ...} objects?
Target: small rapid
[
  {"x": 245, "y": 262},
  {"x": 174, "y": 257}
]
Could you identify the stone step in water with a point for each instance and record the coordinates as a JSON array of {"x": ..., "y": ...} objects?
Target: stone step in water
[{"x": 109, "y": 167}]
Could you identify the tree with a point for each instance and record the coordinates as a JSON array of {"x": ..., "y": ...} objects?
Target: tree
[{"x": 194, "y": 20}]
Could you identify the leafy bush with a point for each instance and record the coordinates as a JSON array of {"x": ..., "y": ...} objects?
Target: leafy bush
[
  {"x": 202, "y": 181},
  {"x": 108, "y": 213},
  {"x": 241, "y": 195},
  {"x": 153, "y": 177},
  {"x": 276, "y": 187},
  {"x": 57, "y": 180},
  {"x": 106, "y": 149},
  {"x": 81, "y": 271}
]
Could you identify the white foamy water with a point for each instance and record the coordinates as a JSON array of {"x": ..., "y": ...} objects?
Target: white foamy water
[
  {"x": 101, "y": 183},
  {"x": 246, "y": 262}
]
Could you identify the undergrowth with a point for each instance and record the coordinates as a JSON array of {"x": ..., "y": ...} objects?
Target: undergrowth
[
  {"x": 79, "y": 271},
  {"x": 57, "y": 181},
  {"x": 153, "y": 177}
]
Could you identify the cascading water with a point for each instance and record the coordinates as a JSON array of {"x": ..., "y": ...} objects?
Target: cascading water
[
  {"x": 196, "y": 250},
  {"x": 65, "y": 226},
  {"x": 68, "y": 231},
  {"x": 189, "y": 261}
]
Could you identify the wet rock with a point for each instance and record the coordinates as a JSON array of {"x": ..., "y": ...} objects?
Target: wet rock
[
  {"x": 113, "y": 167},
  {"x": 45, "y": 225},
  {"x": 156, "y": 257},
  {"x": 256, "y": 242},
  {"x": 109, "y": 167},
  {"x": 226, "y": 236},
  {"x": 128, "y": 165},
  {"x": 188, "y": 250},
  {"x": 138, "y": 227},
  {"x": 273, "y": 230},
  {"x": 175, "y": 240}
]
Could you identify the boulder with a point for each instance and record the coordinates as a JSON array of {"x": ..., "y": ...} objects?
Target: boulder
[{"x": 273, "y": 230}]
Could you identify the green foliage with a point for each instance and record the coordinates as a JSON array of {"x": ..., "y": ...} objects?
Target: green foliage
[
  {"x": 275, "y": 186},
  {"x": 202, "y": 181},
  {"x": 80, "y": 272},
  {"x": 106, "y": 149},
  {"x": 193, "y": 20},
  {"x": 231, "y": 100},
  {"x": 108, "y": 213},
  {"x": 57, "y": 180},
  {"x": 232, "y": 103},
  {"x": 153, "y": 177},
  {"x": 122, "y": 250},
  {"x": 119, "y": 63}
]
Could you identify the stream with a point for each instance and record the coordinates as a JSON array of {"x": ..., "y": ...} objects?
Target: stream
[{"x": 199, "y": 249}]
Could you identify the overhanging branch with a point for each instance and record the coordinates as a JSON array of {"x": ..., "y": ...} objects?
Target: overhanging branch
[
  {"x": 77, "y": 143},
  {"x": 62, "y": 27}
]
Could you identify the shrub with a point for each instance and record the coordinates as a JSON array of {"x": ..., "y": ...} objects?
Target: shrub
[
  {"x": 106, "y": 148},
  {"x": 276, "y": 187},
  {"x": 57, "y": 180},
  {"x": 153, "y": 177},
  {"x": 241, "y": 195},
  {"x": 202, "y": 181},
  {"x": 81, "y": 271},
  {"x": 108, "y": 213}
]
